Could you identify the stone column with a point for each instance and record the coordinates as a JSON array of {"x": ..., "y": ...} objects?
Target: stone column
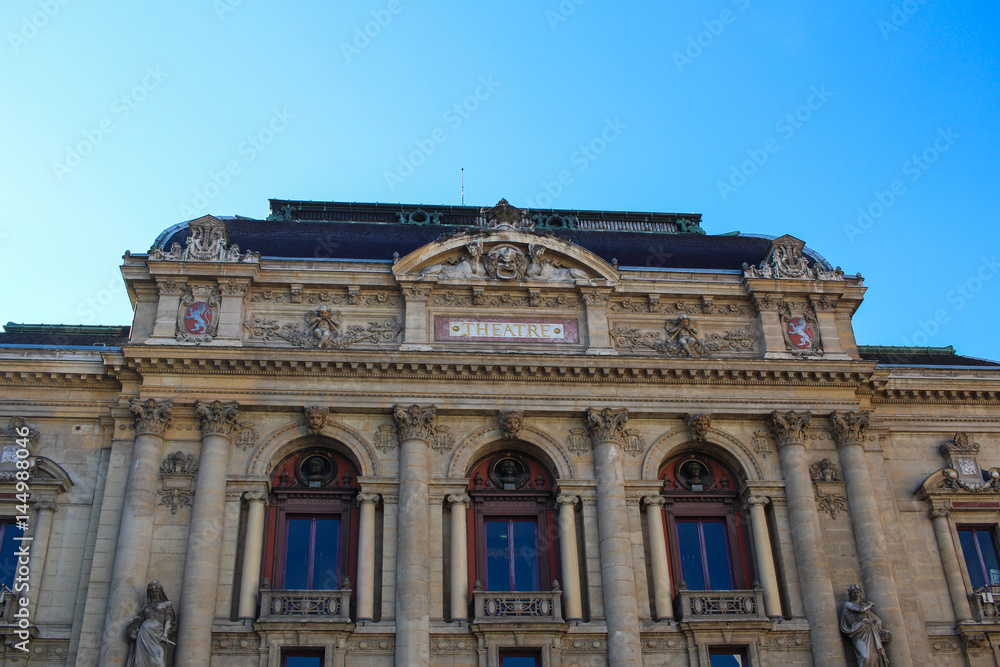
[
  {"x": 607, "y": 428},
  {"x": 869, "y": 533},
  {"x": 253, "y": 547},
  {"x": 765, "y": 559},
  {"x": 135, "y": 533},
  {"x": 204, "y": 547},
  {"x": 44, "y": 509},
  {"x": 949, "y": 558},
  {"x": 459, "y": 557},
  {"x": 569, "y": 558},
  {"x": 788, "y": 431},
  {"x": 365, "y": 603},
  {"x": 662, "y": 602},
  {"x": 416, "y": 426}
]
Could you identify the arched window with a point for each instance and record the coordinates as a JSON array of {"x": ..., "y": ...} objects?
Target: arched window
[
  {"x": 705, "y": 531},
  {"x": 512, "y": 524},
  {"x": 312, "y": 522}
]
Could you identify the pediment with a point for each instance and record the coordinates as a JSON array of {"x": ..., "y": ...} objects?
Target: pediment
[{"x": 505, "y": 257}]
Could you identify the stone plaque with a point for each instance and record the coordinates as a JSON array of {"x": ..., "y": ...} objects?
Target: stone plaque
[{"x": 506, "y": 329}]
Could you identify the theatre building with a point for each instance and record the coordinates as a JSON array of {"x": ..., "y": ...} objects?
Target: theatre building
[{"x": 362, "y": 435}]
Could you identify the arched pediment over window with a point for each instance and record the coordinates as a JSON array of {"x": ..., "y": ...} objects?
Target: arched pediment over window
[{"x": 506, "y": 256}]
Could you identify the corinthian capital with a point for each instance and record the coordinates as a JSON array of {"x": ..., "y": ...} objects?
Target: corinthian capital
[
  {"x": 150, "y": 416},
  {"x": 218, "y": 418},
  {"x": 606, "y": 425},
  {"x": 788, "y": 428},
  {"x": 415, "y": 422},
  {"x": 849, "y": 428}
]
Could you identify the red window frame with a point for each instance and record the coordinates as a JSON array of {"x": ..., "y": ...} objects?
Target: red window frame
[{"x": 532, "y": 501}]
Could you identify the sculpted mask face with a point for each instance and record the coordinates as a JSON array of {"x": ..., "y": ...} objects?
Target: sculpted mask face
[
  {"x": 512, "y": 423},
  {"x": 509, "y": 262}
]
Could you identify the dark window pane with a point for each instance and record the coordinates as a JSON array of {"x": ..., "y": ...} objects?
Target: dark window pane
[
  {"x": 297, "y": 553},
  {"x": 972, "y": 564},
  {"x": 303, "y": 661},
  {"x": 8, "y": 559},
  {"x": 717, "y": 556},
  {"x": 689, "y": 544},
  {"x": 989, "y": 553},
  {"x": 326, "y": 559},
  {"x": 497, "y": 556},
  {"x": 727, "y": 660},
  {"x": 518, "y": 661},
  {"x": 525, "y": 554}
]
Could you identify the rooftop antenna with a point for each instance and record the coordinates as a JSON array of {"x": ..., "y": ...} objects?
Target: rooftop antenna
[{"x": 463, "y": 186}]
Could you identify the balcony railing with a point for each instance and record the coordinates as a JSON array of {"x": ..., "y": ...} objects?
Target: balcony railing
[
  {"x": 299, "y": 605},
  {"x": 986, "y": 605},
  {"x": 519, "y": 606},
  {"x": 722, "y": 605}
]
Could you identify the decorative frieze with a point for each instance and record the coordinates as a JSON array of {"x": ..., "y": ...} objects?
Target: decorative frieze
[
  {"x": 683, "y": 339},
  {"x": 533, "y": 299},
  {"x": 150, "y": 416},
  {"x": 653, "y": 304},
  {"x": 175, "y": 498},
  {"x": 242, "y": 643},
  {"x": 322, "y": 330},
  {"x": 218, "y": 418},
  {"x": 352, "y": 297}
]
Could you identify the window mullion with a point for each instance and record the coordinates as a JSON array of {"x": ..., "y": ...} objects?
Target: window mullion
[{"x": 311, "y": 562}]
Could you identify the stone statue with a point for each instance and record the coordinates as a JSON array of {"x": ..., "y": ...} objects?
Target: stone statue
[
  {"x": 684, "y": 335},
  {"x": 324, "y": 326},
  {"x": 864, "y": 629},
  {"x": 541, "y": 268},
  {"x": 470, "y": 266},
  {"x": 148, "y": 631}
]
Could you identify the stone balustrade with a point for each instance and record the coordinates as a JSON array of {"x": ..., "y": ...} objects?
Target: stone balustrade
[
  {"x": 986, "y": 606},
  {"x": 519, "y": 606},
  {"x": 736, "y": 605},
  {"x": 302, "y": 605}
]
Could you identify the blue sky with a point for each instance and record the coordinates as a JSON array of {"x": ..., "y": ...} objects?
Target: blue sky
[{"x": 868, "y": 131}]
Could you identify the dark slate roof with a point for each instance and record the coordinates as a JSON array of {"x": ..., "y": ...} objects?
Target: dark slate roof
[
  {"x": 332, "y": 230},
  {"x": 886, "y": 355},
  {"x": 64, "y": 335}
]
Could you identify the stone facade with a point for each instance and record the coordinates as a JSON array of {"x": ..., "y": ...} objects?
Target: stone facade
[{"x": 507, "y": 367}]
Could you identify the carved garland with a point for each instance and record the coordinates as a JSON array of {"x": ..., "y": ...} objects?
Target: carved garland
[
  {"x": 683, "y": 339},
  {"x": 323, "y": 331}
]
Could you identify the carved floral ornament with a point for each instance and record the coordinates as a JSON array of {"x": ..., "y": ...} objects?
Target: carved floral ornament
[
  {"x": 150, "y": 416},
  {"x": 208, "y": 242},
  {"x": 218, "y": 418},
  {"x": 963, "y": 472},
  {"x": 784, "y": 260}
]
